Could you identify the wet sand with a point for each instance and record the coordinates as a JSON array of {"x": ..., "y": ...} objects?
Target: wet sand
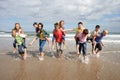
[{"x": 106, "y": 67}]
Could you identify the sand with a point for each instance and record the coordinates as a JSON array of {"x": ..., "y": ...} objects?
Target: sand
[{"x": 106, "y": 67}]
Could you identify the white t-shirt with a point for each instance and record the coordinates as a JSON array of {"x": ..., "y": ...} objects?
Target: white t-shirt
[{"x": 94, "y": 34}]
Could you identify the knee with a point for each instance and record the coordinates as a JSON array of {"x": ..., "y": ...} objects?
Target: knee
[{"x": 100, "y": 48}]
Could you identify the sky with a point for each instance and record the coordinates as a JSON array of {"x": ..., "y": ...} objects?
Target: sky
[{"x": 105, "y": 13}]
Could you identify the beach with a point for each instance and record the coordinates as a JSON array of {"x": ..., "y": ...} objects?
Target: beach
[{"x": 106, "y": 67}]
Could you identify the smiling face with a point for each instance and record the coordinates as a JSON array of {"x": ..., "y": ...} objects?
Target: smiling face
[
  {"x": 17, "y": 26},
  {"x": 79, "y": 26},
  {"x": 61, "y": 23},
  {"x": 35, "y": 26},
  {"x": 13, "y": 33},
  {"x": 97, "y": 29},
  {"x": 56, "y": 27},
  {"x": 40, "y": 26}
]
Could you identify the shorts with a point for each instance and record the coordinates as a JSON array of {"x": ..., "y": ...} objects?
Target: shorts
[{"x": 98, "y": 46}]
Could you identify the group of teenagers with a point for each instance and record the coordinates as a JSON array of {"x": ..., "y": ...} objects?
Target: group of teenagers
[{"x": 81, "y": 37}]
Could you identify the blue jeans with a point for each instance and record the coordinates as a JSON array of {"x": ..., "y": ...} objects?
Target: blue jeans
[
  {"x": 24, "y": 45},
  {"x": 53, "y": 38},
  {"x": 20, "y": 49},
  {"x": 41, "y": 45},
  {"x": 63, "y": 37},
  {"x": 83, "y": 48}
]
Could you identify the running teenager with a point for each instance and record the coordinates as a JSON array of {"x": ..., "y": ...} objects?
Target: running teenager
[
  {"x": 99, "y": 42},
  {"x": 42, "y": 35},
  {"x": 20, "y": 43},
  {"x": 82, "y": 36}
]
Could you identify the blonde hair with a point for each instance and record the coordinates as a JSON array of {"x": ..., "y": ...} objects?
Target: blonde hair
[{"x": 105, "y": 31}]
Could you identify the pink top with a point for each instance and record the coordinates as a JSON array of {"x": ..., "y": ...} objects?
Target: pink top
[{"x": 82, "y": 37}]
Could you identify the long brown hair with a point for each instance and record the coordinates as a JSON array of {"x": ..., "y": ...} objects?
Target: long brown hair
[
  {"x": 60, "y": 23},
  {"x": 15, "y": 26}
]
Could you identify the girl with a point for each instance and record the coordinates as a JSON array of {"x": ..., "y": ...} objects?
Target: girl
[
  {"x": 61, "y": 24},
  {"x": 78, "y": 30},
  {"x": 42, "y": 35},
  {"x": 20, "y": 43},
  {"x": 82, "y": 43},
  {"x": 19, "y": 32}
]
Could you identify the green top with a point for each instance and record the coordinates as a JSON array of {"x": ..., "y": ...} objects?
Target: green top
[
  {"x": 43, "y": 34},
  {"x": 18, "y": 40}
]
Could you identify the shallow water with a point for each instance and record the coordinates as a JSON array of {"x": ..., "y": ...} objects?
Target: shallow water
[{"x": 106, "y": 67}]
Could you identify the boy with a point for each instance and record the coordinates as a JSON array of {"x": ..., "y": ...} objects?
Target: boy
[
  {"x": 58, "y": 33},
  {"x": 93, "y": 36},
  {"x": 99, "y": 43},
  {"x": 35, "y": 25}
]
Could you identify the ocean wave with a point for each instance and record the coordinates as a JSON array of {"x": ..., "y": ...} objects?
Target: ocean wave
[
  {"x": 108, "y": 38},
  {"x": 5, "y": 35}
]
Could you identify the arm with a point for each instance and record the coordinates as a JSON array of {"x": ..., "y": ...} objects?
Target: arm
[
  {"x": 101, "y": 43},
  {"x": 34, "y": 39},
  {"x": 47, "y": 39},
  {"x": 68, "y": 30}
]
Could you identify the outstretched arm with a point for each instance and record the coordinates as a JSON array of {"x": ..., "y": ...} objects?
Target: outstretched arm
[
  {"x": 102, "y": 43},
  {"x": 47, "y": 39},
  {"x": 68, "y": 30},
  {"x": 34, "y": 39}
]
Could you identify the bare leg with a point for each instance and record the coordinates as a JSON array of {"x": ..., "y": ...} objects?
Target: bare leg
[
  {"x": 98, "y": 53},
  {"x": 14, "y": 50},
  {"x": 41, "y": 56},
  {"x": 25, "y": 53},
  {"x": 93, "y": 47},
  {"x": 77, "y": 49},
  {"x": 64, "y": 46},
  {"x": 53, "y": 44},
  {"x": 86, "y": 59},
  {"x": 22, "y": 56}
]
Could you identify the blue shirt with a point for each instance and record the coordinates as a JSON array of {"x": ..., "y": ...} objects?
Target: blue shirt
[{"x": 99, "y": 38}]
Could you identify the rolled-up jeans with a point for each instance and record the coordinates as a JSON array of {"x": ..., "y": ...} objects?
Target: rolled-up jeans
[{"x": 41, "y": 45}]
